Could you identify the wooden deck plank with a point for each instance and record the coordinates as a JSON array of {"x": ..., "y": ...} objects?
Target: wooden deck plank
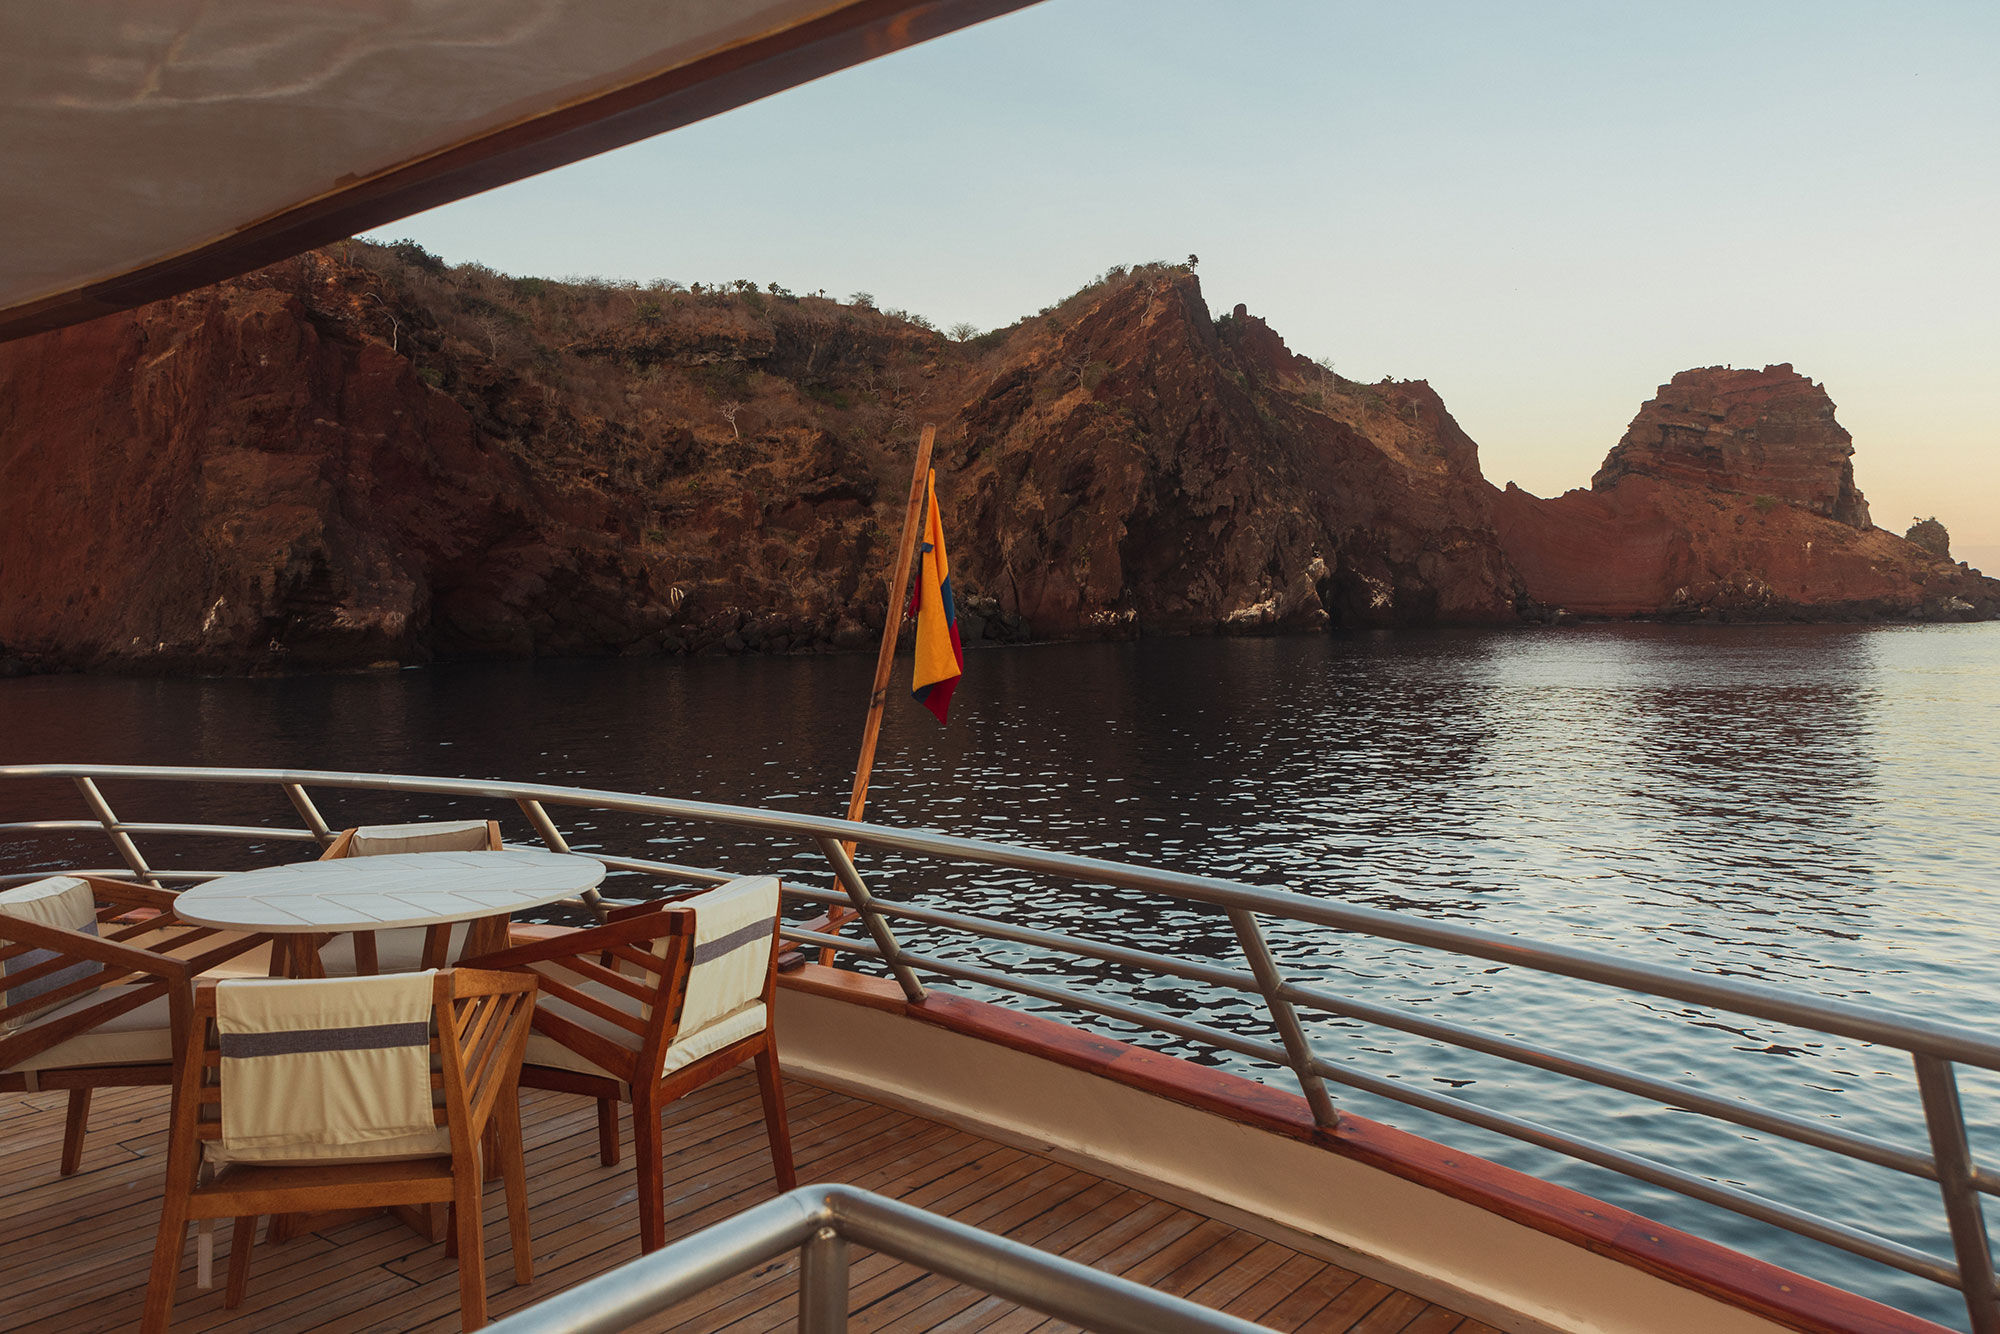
[
  {"x": 767, "y": 1299},
  {"x": 1126, "y": 1213},
  {"x": 880, "y": 1287},
  {"x": 1237, "y": 1278},
  {"x": 984, "y": 1314},
  {"x": 88, "y": 1238},
  {"x": 1392, "y": 1315},
  {"x": 1294, "y": 1273},
  {"x": 931, "y": 1299},
  {"x": 1310, "y": 1298},
  {"x": 1341, "y": 1314}
]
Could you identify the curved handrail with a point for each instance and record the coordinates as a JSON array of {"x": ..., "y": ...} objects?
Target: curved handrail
[
  {"x": 818, "y": 1222},
  {"x": 1863, "y": 1023}
]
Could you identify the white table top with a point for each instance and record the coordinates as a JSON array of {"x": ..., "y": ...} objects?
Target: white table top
[{"x": 396, "y": 889}]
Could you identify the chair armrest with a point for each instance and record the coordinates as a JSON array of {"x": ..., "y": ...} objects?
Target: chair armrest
[
  {"x": 127, "y": 894},
  {"x": 166, "y": 976},
  {"x": 116, "y": 956}
]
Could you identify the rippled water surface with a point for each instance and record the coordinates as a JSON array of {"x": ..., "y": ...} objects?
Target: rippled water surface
[{"x": 1809, "y": 806}]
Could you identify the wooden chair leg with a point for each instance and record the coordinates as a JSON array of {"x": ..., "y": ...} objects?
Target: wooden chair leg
[
  {"x": 514, "y": 1169},
  {"x": 774, "y": 1118},
  {"x": 607, "y": 1131},
  {"x": 74, "y": 1124},
  {"x": 241, "y": 1239},
  {"x": 489, "y": 1148},
  {"x": 166, "y": 1270},
  {"x": 471, "y": 1247},
  {"x": 648, "y": 1155}
]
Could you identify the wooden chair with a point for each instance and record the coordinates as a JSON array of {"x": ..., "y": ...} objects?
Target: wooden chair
[
  {"x": 97, "y": 984},
  {"x": 651, "y": 1006},
  {"x": 462, "y": 1077},
  {"x": 401, "y": 949}
]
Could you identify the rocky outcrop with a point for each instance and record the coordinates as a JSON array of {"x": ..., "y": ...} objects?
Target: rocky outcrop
[
  {"x": 1731, "y": 495},
  {"x": 1932, "y": 536},
  {"x": 1762, "y": 433},
  {"x": 1148, "y": 469},
  {"x": 367, "y": 456}
]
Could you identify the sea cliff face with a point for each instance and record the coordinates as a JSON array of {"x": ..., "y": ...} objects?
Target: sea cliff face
[
  {"x": 364, "y": 456},
  {"x": 1731, "y": 495}
]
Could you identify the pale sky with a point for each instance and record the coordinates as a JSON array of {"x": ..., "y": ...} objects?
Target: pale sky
[{"x": 1544, "y": 209}]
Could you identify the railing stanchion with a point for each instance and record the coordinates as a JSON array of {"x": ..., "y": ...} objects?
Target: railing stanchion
[
  {"x": 119, "y": 838},
  {"x": 1265, "y": 969},
  {"x": 308, "y": 812},
  {"x": 1945, "y": 1119},
  {"x": 552, "y": 836},
  {"x": 871, "y": 916},
  {"x": 823, "y": 1283}
]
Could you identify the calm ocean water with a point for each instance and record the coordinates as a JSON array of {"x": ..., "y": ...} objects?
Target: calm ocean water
[{"x": 1809, "y": 806}]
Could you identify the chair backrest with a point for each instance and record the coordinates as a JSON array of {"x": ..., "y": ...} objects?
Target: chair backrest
[
  {"x": 620, "y": 994},
  {"x": 123, "y": 933},
  {"x": 372, "y": 840},
  {"x": 340, "y": 1069},
  {"x": 66, "y": 903},
  {"x": 732, "y": 960}
]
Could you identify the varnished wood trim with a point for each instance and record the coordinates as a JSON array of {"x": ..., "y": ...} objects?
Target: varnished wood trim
[
  {"x": 876, "y": 993},
  {"x": 1780, "y": 1295},
  {"x": 783, "y": 59}
]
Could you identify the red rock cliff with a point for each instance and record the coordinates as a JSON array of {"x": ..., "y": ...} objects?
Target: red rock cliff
[
  {"x": 365, "y": 455},
  {"x": 1148, "y": 468},
  {"x": 1768, "y": 432},
  {"x": 1731, "y": 494}
]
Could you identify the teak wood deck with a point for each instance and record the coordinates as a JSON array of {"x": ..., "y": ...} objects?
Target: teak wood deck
[{"x": 78, "y": 1248}]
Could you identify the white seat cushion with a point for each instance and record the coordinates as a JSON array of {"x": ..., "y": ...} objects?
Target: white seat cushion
[
  {"x": 61, "y": 901},
  {"x": 733, "y": 925},
  {"x": 691, "y": 1047},
  {"x": 685, "y": 1049},
  {"x": 141, "y": 1036},
  {"x": 398, "y": 950},
  {"x": 428, "y": 1144},
  {"x": 373, "y": 840}
]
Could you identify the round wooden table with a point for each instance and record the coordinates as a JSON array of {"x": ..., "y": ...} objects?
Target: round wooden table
[{"x": 402, "y": 889}]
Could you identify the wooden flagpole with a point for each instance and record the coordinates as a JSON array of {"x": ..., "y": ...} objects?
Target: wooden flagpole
[{"x": 885, "y": 657}]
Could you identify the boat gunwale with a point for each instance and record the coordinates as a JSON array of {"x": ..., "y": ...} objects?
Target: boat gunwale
[{"x": 1760, "y": 1287}]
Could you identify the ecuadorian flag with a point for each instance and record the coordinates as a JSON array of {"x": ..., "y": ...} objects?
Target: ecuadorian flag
[{"x": 940, "y": 656}]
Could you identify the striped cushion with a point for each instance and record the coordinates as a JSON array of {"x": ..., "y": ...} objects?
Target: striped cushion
[
  {"x": 326, "y": 1068},
  {"x": 424, "y": 836},
  {"x": 60, "y": 901},
  {"x": 732, "y": 949}
]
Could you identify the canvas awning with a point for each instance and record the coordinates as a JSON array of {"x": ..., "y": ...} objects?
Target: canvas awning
[{"x": 148, "y": 147}]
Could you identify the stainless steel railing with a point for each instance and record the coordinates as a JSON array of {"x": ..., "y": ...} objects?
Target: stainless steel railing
[
  {"x": 1935, "y": 1049},
  {"x": 819, "y": 1222}
]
